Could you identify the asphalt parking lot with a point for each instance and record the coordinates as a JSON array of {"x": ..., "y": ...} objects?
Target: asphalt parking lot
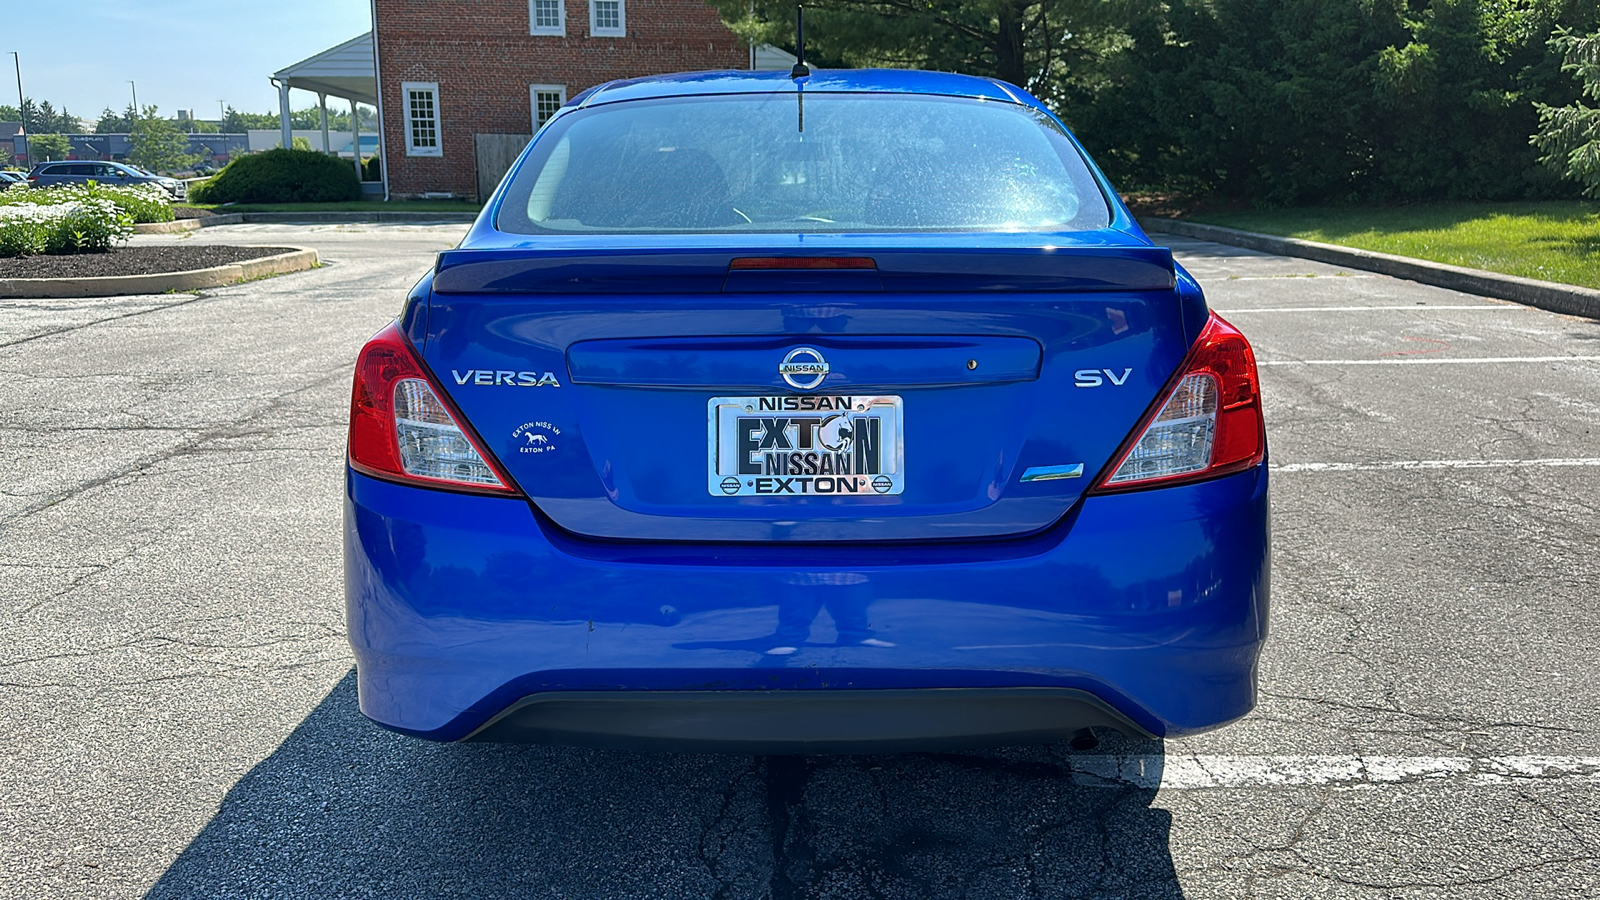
[{"x": 180, "y": 715}]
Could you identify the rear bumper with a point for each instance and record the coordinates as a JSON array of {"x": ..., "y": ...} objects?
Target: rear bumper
[
  {"x": 803, "y": 721},
  {"x": 472, "y": 616}
]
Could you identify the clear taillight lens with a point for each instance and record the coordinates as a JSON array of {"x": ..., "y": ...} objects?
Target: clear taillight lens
[
  {"x": 402, "y": 429},
  {"x": 1208, "y": 424},
  {"x": 431, "y": 445},
  {"x": 1179, "y": 439}
]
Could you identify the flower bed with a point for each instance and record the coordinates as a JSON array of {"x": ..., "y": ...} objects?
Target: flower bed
[
  {"x": 144, "y": 202},
  {"x": 75, "y": 218},
  {"x": 87, "y": 226}
]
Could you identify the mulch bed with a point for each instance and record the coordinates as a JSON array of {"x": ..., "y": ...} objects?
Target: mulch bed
[
  {"x": 189, "y": 212},
  {"x": 132, "y": 261}
]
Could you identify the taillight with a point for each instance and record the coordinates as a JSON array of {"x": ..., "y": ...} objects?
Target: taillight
[
  {"x": 1207, "y": 424},
  {"x": 403, "y": 428}
]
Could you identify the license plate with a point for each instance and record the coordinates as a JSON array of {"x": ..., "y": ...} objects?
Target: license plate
[{"x": 803, "y": 446}]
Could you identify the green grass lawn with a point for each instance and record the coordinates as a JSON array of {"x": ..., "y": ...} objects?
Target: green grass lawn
[
  {"x": 432, "y": 206},
  {"x": 1553, "y": 241}
]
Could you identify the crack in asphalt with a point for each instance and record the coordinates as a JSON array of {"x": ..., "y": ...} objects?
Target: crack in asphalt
[
  {"x": 195, "y": 298},
  {"x": 188, "y": 447}
]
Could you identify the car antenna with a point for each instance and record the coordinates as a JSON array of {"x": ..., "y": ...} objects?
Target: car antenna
[{"x": 800, "y": 69}]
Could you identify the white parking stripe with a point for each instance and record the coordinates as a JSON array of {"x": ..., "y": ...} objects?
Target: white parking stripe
[
  {"x": 1405, "y": 464},
  {"x": 1427, "y": 361},
  {"x": 1414, "y": 308},
  {"x": 1193, "y": 772}
]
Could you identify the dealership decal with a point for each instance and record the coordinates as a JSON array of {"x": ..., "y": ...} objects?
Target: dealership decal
[{"x": 535, "y": 437}]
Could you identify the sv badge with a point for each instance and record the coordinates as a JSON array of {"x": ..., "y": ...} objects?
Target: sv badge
[{"x": 1089, "y": 378}]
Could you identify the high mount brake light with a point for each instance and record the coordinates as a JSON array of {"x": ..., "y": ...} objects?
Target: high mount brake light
[
  {"x": 803, "y": 262},
  {"x": 1207, "y": 423},
  {"x": 403, "y": 428}
]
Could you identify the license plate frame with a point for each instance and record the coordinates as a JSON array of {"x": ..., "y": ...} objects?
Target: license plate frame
[{"x": 823, "y": 432}]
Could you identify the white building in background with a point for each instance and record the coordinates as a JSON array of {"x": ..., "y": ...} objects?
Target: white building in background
[{"x": 340, "y": 144}]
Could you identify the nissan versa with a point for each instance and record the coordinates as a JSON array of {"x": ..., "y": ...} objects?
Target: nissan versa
[{"x": 787, "y": 414}]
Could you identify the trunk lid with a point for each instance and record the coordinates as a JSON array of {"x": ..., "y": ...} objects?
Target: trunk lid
[{"x": 647, "y": 395}]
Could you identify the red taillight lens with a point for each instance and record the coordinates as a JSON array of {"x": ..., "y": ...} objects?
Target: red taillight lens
[
  {"x": 403, "y": 427},
  {"x": 1208, "y": 423}
]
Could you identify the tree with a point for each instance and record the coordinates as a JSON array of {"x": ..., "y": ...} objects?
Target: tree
[
  {"x": 1287, "y": 102},
  {"x": 45, "y": 147},
  {"x": 112, "y": 123},
  {"x": 1036, "y": 44},
  {"x": 1569, "y": 136},
  {"x": 235, "y": 122},
  {"x": 157, "y": 144}
]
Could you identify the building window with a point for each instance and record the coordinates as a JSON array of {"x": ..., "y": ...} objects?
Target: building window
[
  {"x": 547, "y": 17},
  {"x": 546, "y": 99},
  {"x": 422, "y": 118},
  {"x": 607, "y": 18}
]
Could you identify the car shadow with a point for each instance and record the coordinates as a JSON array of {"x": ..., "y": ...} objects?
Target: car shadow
[{"x": 343, "y": 808}]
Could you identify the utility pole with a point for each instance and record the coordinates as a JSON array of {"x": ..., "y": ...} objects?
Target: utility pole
[
  {"x": 221, "y": 116},
  {"x": 20, "y": 104},
  {"x": 137, "y": 113}
]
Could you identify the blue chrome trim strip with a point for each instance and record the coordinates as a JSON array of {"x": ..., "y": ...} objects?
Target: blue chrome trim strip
[{"x": 1052, "y": 473}]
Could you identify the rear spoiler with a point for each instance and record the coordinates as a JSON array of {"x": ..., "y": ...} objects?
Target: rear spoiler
[{"x": 897, "y": 270}]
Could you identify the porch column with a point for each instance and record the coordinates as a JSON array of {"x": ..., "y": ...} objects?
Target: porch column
[
  {"x": 355, "y": 138},
  {"x": 322, "y": 104},
  {"x": 285, "y": 130}
]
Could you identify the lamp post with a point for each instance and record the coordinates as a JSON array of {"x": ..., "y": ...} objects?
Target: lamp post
[
  {"x": 20, "y": 104},
  {"x": 137, "y": 114}
]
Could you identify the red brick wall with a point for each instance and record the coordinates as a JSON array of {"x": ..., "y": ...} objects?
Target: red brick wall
[{"x": 483, "y": 58}]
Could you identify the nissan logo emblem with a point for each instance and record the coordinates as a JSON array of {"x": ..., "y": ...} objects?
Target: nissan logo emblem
[{"x": 804, "y": 368}]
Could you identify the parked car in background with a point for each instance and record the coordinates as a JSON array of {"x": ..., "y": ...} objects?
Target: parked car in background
[
  {"x": 7, "y": 179},
  {"x": 83, "y": 172},
  {"x": 863, "y": 418}
]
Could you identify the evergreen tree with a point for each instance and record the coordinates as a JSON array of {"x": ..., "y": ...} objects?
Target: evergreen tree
[
  {"x": 1040, "y": 45},
  {"x": 1569, "y": 136}
]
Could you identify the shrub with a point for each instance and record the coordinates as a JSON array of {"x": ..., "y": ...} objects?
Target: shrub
[
  {"x": 142, "y": 202},
  {"x": 281, "y": 176},
  {"x": 84, "y": 226},
  {"x": 372, "y": 169}
]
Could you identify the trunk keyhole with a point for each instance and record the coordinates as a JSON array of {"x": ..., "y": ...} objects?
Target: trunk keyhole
[{"x": 972, "y": 364}]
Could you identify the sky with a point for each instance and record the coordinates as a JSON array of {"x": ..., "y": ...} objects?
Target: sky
[{"x": 180, "y": 54}]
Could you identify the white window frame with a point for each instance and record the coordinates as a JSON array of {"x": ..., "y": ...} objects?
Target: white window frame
[
  {"x": 534, "y": 90},
  {"x": 556, "y": 31},
  {"x": 406, "y": 89},
  {"x": 622, "y": 21}
]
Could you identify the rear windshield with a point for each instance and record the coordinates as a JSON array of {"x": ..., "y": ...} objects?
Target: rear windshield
[{"x": 827, "y": 163}]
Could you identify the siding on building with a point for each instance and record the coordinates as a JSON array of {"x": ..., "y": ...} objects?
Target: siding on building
[{"x": 483, "y": 57}]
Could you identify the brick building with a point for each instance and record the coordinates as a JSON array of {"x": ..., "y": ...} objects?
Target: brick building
[{"x": 454, "y": 73}]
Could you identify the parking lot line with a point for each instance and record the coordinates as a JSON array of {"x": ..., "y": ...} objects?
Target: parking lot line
[
  {"x": 1413, "y": 464},
  {"x": 1430, "y": 361},
  {"x": 1209, "y": 771},
  {"x": 1412, "y": 308}
]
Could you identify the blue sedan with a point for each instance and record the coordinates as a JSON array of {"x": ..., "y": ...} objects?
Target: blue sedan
[{"x": 841, "y": 412}]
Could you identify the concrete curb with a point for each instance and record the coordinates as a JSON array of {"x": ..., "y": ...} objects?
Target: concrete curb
[
  {"x": 1561, "y": 298},
  {"x": 176, "y": 226},
  {"x": 334, "y": 218},
  {"x": 296, "y": 260}
]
